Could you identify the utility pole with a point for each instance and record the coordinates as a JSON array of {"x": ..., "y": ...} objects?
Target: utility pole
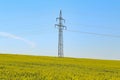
[{"x": 60, "y": 27}]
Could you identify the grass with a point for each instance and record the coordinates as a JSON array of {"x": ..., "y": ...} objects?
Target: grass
[{"x": 23, "y": 67}]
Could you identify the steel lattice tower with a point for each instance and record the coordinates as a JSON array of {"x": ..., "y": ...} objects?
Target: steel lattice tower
[{"x": 60, "y": 27}]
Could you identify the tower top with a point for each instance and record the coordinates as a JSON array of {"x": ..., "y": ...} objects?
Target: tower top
[{"x": 60, "y": 13}]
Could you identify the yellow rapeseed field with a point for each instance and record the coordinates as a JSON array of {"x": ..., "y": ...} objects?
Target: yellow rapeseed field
[{"x": 22, "y": 67}]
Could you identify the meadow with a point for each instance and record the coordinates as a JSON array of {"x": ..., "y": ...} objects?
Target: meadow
[{"x": 24, "y": 67}]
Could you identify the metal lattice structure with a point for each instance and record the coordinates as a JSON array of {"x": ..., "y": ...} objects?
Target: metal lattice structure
[{"x": 60, "y": 27}]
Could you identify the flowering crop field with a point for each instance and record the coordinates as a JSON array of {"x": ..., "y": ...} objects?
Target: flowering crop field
[{"x": 23, "y": 67}]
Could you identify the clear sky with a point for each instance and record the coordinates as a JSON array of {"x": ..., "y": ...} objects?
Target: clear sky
[{"x": 27, "y": 27}]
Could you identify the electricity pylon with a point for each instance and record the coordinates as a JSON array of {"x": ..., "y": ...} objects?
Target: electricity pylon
[{"x": 60, "y": 27}]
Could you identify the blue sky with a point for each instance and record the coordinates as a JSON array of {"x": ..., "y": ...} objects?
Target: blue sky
[{"x": 27, "y": 27}]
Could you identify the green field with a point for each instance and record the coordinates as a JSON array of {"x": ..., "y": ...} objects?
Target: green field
[{"x": 21, "y": 67}]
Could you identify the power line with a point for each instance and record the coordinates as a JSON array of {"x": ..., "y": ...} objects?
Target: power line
[
  {"x": 106, "y": 35},
  {"x": 95, "y": 26}
]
